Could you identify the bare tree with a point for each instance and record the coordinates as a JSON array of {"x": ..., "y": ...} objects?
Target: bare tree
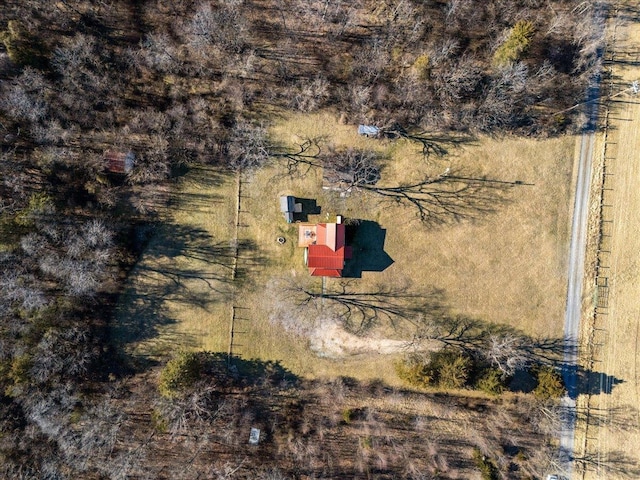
[
  {"x": 160, "y": 53},
  {"x": 352, "y": 168},
  {"x": 75, "y": 55},
  {"x": 248, "y": 147},
  {"x": 224, "y": 27},
  {"x": 18, "y": 287},
  {"x": 78, "y": 255},
  {"x": 311, "y": 95},
  {"x": 507, "y": 353},
  {"x": 195, "y": 410},
  {"x": 26, "y": 99},
  {"x": 153, "y": 165},
  {"x": 63, "y": 353}
]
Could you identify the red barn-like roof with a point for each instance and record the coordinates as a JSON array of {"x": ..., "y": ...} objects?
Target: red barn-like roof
[
  {"x": 326, "y": 250},
  {"x": 119, "y": 162}
]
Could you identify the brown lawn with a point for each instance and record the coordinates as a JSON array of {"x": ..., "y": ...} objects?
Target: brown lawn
[{"x": 507, "y": 266}]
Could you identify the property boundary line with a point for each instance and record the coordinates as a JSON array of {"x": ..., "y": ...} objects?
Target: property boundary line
[
  {"x": 602, "y": 278},
  {"x": 234, "y": 269}
]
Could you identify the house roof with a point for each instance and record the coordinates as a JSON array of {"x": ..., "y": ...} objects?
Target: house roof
[
  {"x": 323, "y": 272},
  {"x": 307, "y": 235},
  {"x": 324, "y": 257},
  {"x": 119, "y": 162},
  {"x": 330, "y": 234},
  {"x": 326, "y": 249}
]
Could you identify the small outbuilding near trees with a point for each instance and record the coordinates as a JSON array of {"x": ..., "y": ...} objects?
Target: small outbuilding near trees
[
  {"x": 288, "y": 207},
  {"x": 368, "y": 130},
  {"x": 119, "y": 162}
]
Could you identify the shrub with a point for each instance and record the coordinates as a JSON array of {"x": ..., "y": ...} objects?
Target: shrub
[
  {"x": 516, "y": 43},
  {"x": 447, "y": 368},
  {"x": 40, "y": 205},
  {"x": 412, "y": 370},
  {"x": 347, "y": 415},
  {"x": 366, "y": 442},
  {"x": 158, "y": 421},
  {"x": 179, "y": 374},
  {"x": 22, "y": 48},
  {"x": 350, "y": 415},
  {"x": 491, "y": 381},
  {"x": 20, "y": 369},
  {"x": 422, "y": 67},
  {"x": 488, "y": 469},
  {"x": 17, "y": 373},
  {"x": 451, "y": 367},
  {"x": 550, "y": 384}
]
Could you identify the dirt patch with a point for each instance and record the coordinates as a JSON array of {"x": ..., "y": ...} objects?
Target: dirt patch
[{"x": 330, "y": 340}]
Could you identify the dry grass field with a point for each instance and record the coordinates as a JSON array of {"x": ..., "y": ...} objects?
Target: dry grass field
[
  {"x": 610, "y": 447},
  {"x": 507, "y": 266}
]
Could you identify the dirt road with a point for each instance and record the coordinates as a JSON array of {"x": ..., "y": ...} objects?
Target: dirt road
[
  {"x": 574, "y": 290},
  {"x": 576, "y": 274}
]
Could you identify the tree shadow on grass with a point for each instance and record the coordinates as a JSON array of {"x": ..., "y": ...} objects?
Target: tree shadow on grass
[
  {"x": 472, "y": 335},
  {"x": 259, "y": 372},
  {"x": 438, "y": 144},
  {"x": 234, "y": 371},
  {"x": 198, "y": 187},
  {"x": 595, "y": 383},
  {"x": 451, "y": 197},
  {"x": 182, "y": 266},
  {"x": 615, "y": 463},
  {"x": 360, "y": 311},
  {"x": 620, "y": 418},
  {"x": 582, "y": 381},
  {"x": 366, "y": 239}
]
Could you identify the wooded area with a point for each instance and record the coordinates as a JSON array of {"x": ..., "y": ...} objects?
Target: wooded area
[{"x": 180, "y": 83}]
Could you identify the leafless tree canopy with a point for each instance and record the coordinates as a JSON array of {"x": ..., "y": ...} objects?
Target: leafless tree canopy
[
  {"x": 507, "y": 353},
  {"x": 352, "y": 167},
  {"x": 247, "y": 146}
]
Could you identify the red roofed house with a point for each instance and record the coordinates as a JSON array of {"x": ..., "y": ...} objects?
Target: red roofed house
[{"x": 325, "y": 250}]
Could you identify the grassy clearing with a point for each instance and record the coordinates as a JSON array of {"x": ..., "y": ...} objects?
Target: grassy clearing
[
  {"x": 507, "y": 267},
  {"x": 178, "y": 294}
]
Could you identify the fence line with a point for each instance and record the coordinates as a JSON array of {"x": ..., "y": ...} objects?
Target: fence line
[
  {"x": 603, "y": 250},
  {"x": 234, "y": 269}
]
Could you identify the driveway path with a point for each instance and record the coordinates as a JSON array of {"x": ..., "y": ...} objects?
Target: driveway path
[
  {"x": 574, "y": 288},
  {"x": 576, "y": 271}
]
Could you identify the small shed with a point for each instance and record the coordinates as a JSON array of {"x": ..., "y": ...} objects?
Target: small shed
[
  {"x": 118, "y": 161},
  {"x": 288, "y": 207},
  {"x": 368, "y": 130},
  {"x": 254, "y": 436}
]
